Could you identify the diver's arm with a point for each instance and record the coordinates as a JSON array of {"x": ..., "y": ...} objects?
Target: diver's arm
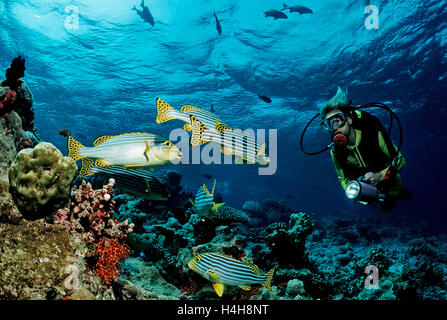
[
  {"x": 340, "y": 173},
  {"x": 377, "y": 177},
  {"x": 400, "y": 159}
]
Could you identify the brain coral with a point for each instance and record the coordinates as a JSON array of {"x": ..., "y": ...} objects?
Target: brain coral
[{"x": 40, "y": 180}]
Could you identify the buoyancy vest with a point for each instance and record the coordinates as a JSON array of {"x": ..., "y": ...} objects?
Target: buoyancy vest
[{"x": 369, "y": 150}]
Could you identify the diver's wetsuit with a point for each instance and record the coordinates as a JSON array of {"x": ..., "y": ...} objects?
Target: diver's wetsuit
[{"x": 371, "y": 153}]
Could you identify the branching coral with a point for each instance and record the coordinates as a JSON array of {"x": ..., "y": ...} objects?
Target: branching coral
[{"x": 91, "y": 213}]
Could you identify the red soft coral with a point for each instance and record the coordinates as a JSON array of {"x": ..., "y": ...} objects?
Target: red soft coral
[{"x": 109, "y": 252}]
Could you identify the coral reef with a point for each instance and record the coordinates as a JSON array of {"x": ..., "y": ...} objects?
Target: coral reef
[
  {"x": 91, "y": 214},
  {"x": 104, "y": 245},
  {"x": 23, "y": 100},
  {"x": 11, "y": 134},
  {"x": 35, "y": 258},
  {"x": 40, "y": 180},
  {"x": 286, "y": 242},
  {"x": 109, "y": 252}
]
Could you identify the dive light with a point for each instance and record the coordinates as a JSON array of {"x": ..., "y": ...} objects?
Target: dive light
[{"x": 363, "y": 192}]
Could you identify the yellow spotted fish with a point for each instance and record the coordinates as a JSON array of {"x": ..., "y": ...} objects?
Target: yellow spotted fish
[
  {"x": 233, "y": 141},
  {"x": 130, "y": 150},
  {"x": 223, "y": 270},
  {"x": 165, "y": 112}
]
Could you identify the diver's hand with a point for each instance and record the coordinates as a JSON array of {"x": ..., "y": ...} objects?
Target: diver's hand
[{"x": 373, "y": 178}]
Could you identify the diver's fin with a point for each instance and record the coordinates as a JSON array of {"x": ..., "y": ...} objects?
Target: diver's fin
[
  {"x": 216, "y": 206},
  {"x": 269, "y": 275},
  {"x": 187, "y": 127},
  {"x": 100, "y": 140},
  {"x": 87, "y": 163},
  {"x": 261, "y": 150},
  {"x": 188, "y": 107},
  {"x": 197, "y": 129},
  {"x": 102, "y": 163},
  {"x": 163, "y": 109},
  {"x": 219, "y": 288},
  {"x": 73, "y": 148},
  {"x": 246, "y": 288}
]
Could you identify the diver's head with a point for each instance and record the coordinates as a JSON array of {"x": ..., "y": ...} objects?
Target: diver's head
[
  {"x": 340, "y": 100},
  {"x": 334, "y": 114},
  {"x": 337, "y": 121}
]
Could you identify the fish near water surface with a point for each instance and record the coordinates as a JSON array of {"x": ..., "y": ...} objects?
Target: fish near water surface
[
  {"x": 276, "y": 14},
  {"x": 265, "y": 98},
  {"x": 297, "y": 8},
  {"x": 218, "y": 26},
  {"x": 145, "y": 14}
]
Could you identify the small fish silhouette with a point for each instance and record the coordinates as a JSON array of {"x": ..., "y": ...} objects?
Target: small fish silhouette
[
  {"x": 64, "y": 132},
  {"x": 299, "y": 9},
  {"x": 265, "y": 98},
  {"x": 276, "y": 14},
  {"x": 218, "y": 26},
  {"x": 145, "y": 14}
]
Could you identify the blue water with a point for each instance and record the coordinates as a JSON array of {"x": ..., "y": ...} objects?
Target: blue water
[{"x": 102, "y": 76}]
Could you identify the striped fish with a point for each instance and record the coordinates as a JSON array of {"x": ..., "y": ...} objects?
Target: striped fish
[
  {"x": 135, "y": 182},
  {"x": 222, "y": 270},
  {"x": 128, "y": 150},
  {"x": 233, "y": 142},
  {"x": 165, "y": 112},
  {"x": 204, "y": 202}
]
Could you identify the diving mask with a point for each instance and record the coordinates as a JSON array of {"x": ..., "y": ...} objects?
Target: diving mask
[{"x": 333, "y": 122}]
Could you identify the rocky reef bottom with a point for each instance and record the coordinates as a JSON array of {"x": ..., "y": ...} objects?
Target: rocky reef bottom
[{"x": 334, "y": 257}]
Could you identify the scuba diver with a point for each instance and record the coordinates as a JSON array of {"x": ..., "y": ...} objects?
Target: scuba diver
[{"x": 365, "y": 159}]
